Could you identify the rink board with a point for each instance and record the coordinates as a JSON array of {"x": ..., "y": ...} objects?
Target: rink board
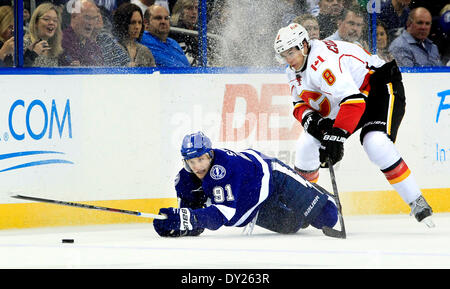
[{"x": 114, "y": 139}]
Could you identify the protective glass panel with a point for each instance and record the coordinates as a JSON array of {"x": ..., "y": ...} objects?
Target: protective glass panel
[
  {"x": 414, "y": 33},
  {"x": 6, "y": 34},
  {"x": 247, "y": 29}
]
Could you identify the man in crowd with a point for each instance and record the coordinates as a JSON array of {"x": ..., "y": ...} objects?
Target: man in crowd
[{"x": 167, "y": 51}]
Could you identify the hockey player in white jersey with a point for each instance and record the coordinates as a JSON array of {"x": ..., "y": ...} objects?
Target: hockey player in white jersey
[{"x": 338, "y": 88}]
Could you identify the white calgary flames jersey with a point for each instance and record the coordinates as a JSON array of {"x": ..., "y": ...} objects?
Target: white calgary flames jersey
[{"x": 334, "y": 71}]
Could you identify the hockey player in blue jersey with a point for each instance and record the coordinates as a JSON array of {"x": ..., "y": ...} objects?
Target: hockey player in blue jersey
[{"x": 220, "y": 187}]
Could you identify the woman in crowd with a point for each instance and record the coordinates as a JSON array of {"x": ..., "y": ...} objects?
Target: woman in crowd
[
  {"x": 42, "y": 43},
  {"x": 128, "y": 28},
  {"x": 383, "y": 42},
  {"x": 6, "y": 35},
  {"x": 310, "y": 23}
]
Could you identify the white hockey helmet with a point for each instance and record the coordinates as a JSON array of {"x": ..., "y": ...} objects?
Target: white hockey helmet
[{"x": 290, "y": 36}]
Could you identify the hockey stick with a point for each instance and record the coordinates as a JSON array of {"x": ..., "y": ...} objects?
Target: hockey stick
[
  {"x": 85, "y": 206},
  {"x": 327, "y": 230}
]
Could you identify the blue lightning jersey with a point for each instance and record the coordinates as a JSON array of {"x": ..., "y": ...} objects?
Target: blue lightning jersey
[{"x": 235, "y": 186}]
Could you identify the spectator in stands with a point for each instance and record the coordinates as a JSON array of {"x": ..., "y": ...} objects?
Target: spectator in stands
[
  {"x": 113, "y": 53},
  {"x": 412, "y": 47},
  {"x": 143, "y": 4},
  {"x": 394, "y": 13},
  {"x": 7, "y": 35},
  {"x": 187, "y": 19},
  {"x": 42, "y": 43},
  {"x": 26, "y": 16},
  {"x": 187, "y": 14},
  {"x": 163, "y": 3},
  {"x": 328, "y": 16},
  {"x": 351, "y": 25},
  {"x": 109, "y": 5},
  {"x": 128, "y": 28},
  {"x": 310, "y": 23},
  {"x": 79, "y": 47},
  {"x": 383, "y": 42},
  {"x": 167, "y": 51},
  {"x": 442, "y": 38},
  {"x": 290, "y": 9}
]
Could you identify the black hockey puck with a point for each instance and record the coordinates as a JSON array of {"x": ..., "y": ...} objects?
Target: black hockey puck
[{"x": 67, "y": 240}]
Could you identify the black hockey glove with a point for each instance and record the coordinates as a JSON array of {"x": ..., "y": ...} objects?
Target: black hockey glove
[
  {"x": 195, "y": 200},
  {"x": 333, "y": 146},
  {"x": 180, "y": 222},
  {"x": 316, "y": 125}
]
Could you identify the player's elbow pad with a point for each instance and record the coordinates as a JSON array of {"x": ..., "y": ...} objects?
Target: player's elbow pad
[
  {"x": 210, "y": 218},
  {"x": 351, "y": 110}
]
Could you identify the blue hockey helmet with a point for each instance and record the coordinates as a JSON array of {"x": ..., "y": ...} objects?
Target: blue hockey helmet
[{"x": 195, "y": 145}]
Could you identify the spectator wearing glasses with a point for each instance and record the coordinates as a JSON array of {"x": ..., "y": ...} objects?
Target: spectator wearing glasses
[
  {"x": 166, "y": 51},
  {"x": 79, "y": 47},
  {"x": 42, "y": 43},
  {"x": 187, "y": 18},
  {"x": 351, "y": 25}
]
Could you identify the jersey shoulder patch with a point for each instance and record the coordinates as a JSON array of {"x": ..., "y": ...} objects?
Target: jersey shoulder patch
[{"x": 218, "y": 172}]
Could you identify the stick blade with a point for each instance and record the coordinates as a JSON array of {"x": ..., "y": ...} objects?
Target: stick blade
[{"x": 330, "y": 232}]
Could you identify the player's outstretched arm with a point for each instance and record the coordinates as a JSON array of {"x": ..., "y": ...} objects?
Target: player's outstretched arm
[{"x": 187, "y": 222}]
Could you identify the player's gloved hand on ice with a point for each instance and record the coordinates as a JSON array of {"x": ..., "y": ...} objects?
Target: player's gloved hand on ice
[
  {"x": 179, "y": 222},
  {"x": 316, "y": 125},
  {"x": 333, "y": 146}
]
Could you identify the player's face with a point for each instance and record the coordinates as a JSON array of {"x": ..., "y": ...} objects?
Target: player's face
[
  {"x": 294, "y": 57},
  {"x": 200, "y": 166}
]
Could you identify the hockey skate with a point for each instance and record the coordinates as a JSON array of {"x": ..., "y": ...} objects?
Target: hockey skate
[{"x": 422, "y": 211}]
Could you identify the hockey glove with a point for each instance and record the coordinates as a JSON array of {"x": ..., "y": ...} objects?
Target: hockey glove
[
  {"x": 333, "y": 146},
  {"x": 316, "y": 125},
  {"x": 179, "y": 222},
  {"x": 196, "y": 199}
]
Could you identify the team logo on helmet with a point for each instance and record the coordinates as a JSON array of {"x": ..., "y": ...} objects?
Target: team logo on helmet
[{"x": 217, "y": 172}]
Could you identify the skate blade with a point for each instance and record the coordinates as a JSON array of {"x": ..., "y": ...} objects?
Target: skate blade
[{"x": 429, "y": 222}]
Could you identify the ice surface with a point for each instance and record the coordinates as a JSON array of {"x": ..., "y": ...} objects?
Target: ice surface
[{"x": 386, "y": 241}]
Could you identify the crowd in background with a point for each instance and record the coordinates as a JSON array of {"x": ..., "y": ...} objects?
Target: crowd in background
[{"x": 164, "y": 33}]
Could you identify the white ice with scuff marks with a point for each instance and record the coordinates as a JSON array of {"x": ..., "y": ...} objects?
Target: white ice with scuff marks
[{"x": 387, "y": 241}]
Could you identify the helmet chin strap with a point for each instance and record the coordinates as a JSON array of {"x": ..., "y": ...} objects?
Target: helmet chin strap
[{"x": 305, "y": 57}]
